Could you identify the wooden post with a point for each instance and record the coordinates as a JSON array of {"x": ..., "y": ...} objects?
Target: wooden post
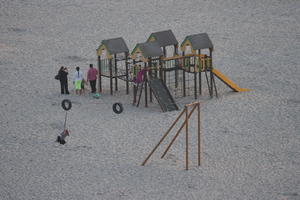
[
  {"x": 183, "y": 75},
  {"x": 150, "y": 75},
  {"x": 146, "y": 86},
  {"x": 206, "y": 76},
  {"x": 127, "y": 73},
  {"x": 213, "y": 76},
  {"x": 199, "y": 136},
  {"x": 186, "y": 139},
  {"x": 176, "y": 70},
  {"x": 195, "y": 78},
  {"x": 177, "y": 133},
  {"x": 200, "y": 72},
  {"x": 111, "y": 76},
  {"x": 100, "y": 78},
  {"x": 161, "y": 69},
  {"x": 188, "y": 114},
  {"x": 161, "y": 140},
  {"x": 134, "y": 86},
  {"x": 211, "y": 73},
  {"x": 215, "y": 85},
  {"x": 116, "y": 73},
  {"x": 165, "y": 77},
  {"x": 211, "y": 83}
]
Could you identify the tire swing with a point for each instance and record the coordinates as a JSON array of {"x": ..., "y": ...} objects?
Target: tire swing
[
  {"x": 117, "y": 108},
  {"x": 66, "y": 104}
]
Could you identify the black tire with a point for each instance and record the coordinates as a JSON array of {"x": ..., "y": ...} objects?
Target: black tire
[
  {"x": 66, "y": 104},
  {"x": 118, "y": 108},
  {"x": 62, "y": 142}
]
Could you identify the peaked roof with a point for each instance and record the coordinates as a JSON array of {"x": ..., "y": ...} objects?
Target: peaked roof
[
  {"x": 115, "y": 45},
  {"x": 149, "y": 49},
  {"x": 164, "y": 38},
  {"x": 199, "y": 41}
]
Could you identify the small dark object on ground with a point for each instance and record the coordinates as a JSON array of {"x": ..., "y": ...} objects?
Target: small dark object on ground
[
  {"x": 118, "y": 108},
  {"x": 66, "y": 104},
  {"x": 61, "y": 138}
]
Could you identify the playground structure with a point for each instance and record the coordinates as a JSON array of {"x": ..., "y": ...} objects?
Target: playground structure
[
  {"x": 195, "y": 105},
  {"x": 158, "y": 60},
  {"x": 113, "y": 62}
]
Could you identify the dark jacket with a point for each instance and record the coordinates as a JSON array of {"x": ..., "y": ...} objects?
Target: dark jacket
[{"x": 63, "y": 75}]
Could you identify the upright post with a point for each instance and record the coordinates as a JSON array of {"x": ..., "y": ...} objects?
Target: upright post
[
  {"x": 186, "y": 139},
  {"x": 200, "y": 72},
  {"x": 150, "y": 74},
  {"x": 146, "y": 86},
  {"x": 175, "y": 63},
  {"x": 111, "y": 76},
  {"x": 199, "y": 136},
  {"x": 116, "y": 73},
  {"x": 211, "y": 73},
  {"x": 127, "y": 73},
  {"x": 161, "y": 140},
  {"x": 183, "y": 75},
  {"x": 195, "y": 78},
  {"x": 161, "y": 69},
  {"x": 206, "y": 76},
  {"x": 100, "y": 78},
  {"x": 177, "y": 133},
  {"x": 134, "y": 86},
  {"x": 186, "y": 124},
  {"x": 165, "y": 77},
  {"x": 213, "y": 76}
]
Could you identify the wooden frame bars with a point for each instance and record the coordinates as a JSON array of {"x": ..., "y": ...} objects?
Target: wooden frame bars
[{"x": 185, "y": 124}]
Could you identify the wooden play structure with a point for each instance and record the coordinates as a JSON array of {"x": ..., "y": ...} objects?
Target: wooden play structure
[
  {"x": 113, "y": 55},
  {"x": 156, "y": 68},
  {"x": 188, "y": 114}
]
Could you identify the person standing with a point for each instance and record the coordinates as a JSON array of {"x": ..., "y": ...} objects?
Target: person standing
[
  {"x": 63, "y": 78},
  {"x": 78, "y": 76},
  {"x": 92, "y": 77}
]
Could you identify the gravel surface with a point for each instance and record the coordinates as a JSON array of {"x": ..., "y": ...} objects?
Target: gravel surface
[{"x": 251, "y": 140}]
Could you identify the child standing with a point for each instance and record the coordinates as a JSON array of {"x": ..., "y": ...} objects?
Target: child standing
[{"x": 77, "y": 80}]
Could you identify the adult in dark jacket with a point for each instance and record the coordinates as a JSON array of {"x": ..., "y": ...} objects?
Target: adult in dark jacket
[{"x": 63, "y": 78}]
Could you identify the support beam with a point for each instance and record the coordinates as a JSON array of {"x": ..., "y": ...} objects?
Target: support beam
[
  {"x": 186, "y": 138},
  {"x": 195, "y": 79},
  {"x": 134, "y": 87},
  {"x": 177, "y": 133},
  {"x": 111, "y": 76},
  {"x": 199, "y": 136},
  {"x": 150, "y": 75},
  {"x": 99, "y": 77},
  {"x": 183, "y": 76},
  {"x": 162, "y": 139},
  {"x": 146, "y": 86},
  {"x": 127, "y": 73},
  {"x": 116, "y": 73}
]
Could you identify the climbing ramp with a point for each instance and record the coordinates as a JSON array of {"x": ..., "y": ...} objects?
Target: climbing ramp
[
  {"x": 162, "y": 94},
  {"x": 229, "y": 82}
]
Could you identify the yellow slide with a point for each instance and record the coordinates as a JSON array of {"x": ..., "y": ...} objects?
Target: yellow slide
[{"x": 229, "y": 82}]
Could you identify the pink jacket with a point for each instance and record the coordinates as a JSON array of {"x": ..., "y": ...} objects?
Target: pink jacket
[{"x": 92, "y": 74}]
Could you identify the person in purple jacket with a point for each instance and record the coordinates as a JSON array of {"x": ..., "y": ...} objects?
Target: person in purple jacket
[{"x": 92, "y": 77}]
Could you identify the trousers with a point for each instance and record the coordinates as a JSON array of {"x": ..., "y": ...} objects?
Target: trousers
[
  {"x": 93, "y": 85},
  {"x": 64, "y": 87}
]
